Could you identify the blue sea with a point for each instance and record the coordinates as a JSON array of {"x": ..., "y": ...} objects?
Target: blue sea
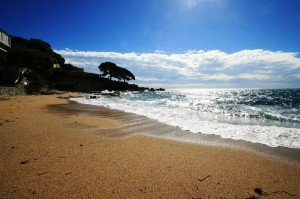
[{"x": 266, "y": 116}]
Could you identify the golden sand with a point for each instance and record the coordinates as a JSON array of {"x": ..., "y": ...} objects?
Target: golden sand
[{"x": 46, "y": 154}]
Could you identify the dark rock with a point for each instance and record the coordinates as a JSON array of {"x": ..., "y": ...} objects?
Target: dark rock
[
  {"x": 259, "y": 191},
  {"x": 24, "y": 161},
  {"x": 40, "y": 174},
  {"x": 160, "y": 89},
  {"x": 112, "y": 94}
]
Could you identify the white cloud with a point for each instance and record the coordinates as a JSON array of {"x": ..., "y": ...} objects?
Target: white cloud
[
  {"x": 256, "y": 76},
  {"x": 266, "y": 59},
  {"x": 219, "y": 77},
  {"x": 295, "y": 76},
  {"x": 149, "y": 79},
  {"x": 198, "y": 67}
]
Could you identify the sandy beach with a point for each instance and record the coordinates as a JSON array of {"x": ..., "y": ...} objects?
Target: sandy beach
[{"x": 53, "y": 152}]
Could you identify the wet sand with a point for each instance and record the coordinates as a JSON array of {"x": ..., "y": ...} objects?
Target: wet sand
[{"x": 51, "y": 148}]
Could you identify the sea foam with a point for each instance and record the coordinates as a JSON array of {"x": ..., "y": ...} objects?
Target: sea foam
[{"x": 266, "y": 116}]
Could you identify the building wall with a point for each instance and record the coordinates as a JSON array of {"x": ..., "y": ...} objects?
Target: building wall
[
  {"x": 5, "y": 44},
  {"x": 5, "y": 40}
]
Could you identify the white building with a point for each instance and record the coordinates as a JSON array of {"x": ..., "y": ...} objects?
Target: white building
[
  {"x": 5, "y": 40},
  {"x": 5, "y": 44}
]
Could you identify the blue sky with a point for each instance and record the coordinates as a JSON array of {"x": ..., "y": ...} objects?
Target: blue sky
[{"x": 170, "y": 43}]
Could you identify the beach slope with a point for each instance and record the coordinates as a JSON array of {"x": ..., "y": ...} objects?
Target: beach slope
[{"x": 51, "y": 153}]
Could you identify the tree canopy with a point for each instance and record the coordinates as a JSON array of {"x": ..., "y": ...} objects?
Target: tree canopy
[
  {"x": 111, "y": 70},
  {"x": 34, "y": 55},
  {"x": 37, "y": 44},
  {"x": 71, "y": 68}
]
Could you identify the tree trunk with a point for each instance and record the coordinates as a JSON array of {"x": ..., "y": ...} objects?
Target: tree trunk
[{"x": 21, "y": 75}]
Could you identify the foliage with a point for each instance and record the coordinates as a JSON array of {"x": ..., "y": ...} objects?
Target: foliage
[
  {"x": 71, "y": 68},
  {"x": 31, "y": 61},
  {"x": 67, "y": 67},
  {"x": 112, "y": 70},
  {"x": 107, "y": 69},
  {"x": 34, "y": 57},
  {"x": 37, "y": 44},
  {"x": 127, "y": 75}
]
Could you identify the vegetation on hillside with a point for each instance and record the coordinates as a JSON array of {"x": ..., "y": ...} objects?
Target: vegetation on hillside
[
  {"x": 35, "y": 61},
  {"x": 109, "y": 69}
]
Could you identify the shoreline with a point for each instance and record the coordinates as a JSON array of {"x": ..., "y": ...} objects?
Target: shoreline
[
  {"x": 51, "y": 148},
  {"x": 241, "y": 115},
  {"x": 130, "y": 127}
]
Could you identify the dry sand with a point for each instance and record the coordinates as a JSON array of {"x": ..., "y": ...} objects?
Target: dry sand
[{"x": 52, "y": 153}]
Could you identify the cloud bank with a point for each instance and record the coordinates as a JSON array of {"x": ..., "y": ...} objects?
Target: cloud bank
[{"x": 197, "y": 69}]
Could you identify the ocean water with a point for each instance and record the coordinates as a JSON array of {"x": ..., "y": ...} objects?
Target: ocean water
[{"x": 266, "y": 116}]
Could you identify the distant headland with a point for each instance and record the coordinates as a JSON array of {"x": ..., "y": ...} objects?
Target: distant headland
[{"x": 32, "y": 64}]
